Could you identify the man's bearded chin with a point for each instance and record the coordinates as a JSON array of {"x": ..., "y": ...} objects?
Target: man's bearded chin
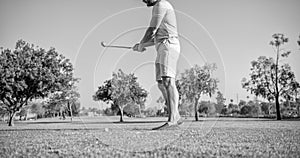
[{"x": 150, "y": 3}]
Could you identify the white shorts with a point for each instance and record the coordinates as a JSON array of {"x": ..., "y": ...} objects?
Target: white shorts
[{"x": 168, "y": 51}]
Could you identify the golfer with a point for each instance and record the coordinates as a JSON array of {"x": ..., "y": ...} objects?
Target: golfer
[{"x": 162, "y": 33}]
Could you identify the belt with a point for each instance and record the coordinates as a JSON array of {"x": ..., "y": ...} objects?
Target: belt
[{"x": 158, "y": 40}]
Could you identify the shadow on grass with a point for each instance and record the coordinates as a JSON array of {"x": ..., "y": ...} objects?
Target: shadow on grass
[
  {"x": 257, "y": 119},
  {"x": 201, "y": 120},
  {"x": 48, "y": 122},
  {"x": 117, "y": 122},
  {"x": 93, "y": 122},
  {"x": 129, "y": 122},
  {"x": 142, "y": 129}
]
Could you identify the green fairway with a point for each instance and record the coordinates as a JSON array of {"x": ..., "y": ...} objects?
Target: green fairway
[{"x": 104, "y": 136}]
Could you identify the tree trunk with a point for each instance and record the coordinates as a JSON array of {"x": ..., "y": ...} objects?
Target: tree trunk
[
  {"x": 269, "y": 108},
  {"x": 297, "y": 103},
  {"x": 298, "y": 109},
  {"x": 70, "y": 108},
  {"x": 11, "y": 118},
  {"x": 278, "y": 116},
  {"x": 60, "y": 113},
  {"x": 121, "y": 115},
  {"x": 63, "y": 116},
  {"x": 140, "y": 110},
  {"x": 196, "y": 109},
  {"x": 298, "y": 106},
  {"x": 276, "y": 87}
]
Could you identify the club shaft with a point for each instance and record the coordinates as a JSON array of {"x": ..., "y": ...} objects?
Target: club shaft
[{"x": 112, "y": 46}]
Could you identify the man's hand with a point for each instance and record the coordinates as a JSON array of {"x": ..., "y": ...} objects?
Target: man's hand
[{"x": 138, "y": 47}]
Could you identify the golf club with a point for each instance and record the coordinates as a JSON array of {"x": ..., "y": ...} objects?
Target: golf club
[{"x": 103, "y": 44}]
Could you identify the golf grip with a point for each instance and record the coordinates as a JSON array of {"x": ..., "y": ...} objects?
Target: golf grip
[
  {"x": 122, "y": 47},
  {"x": 126, "y": 47}
]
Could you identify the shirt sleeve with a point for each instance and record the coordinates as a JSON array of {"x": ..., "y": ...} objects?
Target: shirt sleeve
[{"x": 158, "y": 14}]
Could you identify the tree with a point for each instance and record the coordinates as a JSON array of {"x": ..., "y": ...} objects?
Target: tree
[
  {"x": 203, "y": 108},
  {"x": 220, "y": 102},
  {"x": 195, "y": 82},
  {"x": 161, "y": 102},
  {"x": 108, "y": 112},
  {"x": 224, "y": 111},
  {"x": 265, "y": 108},
  {"x": 54, "y": 107},
  {"x": 104, "y": 93},
  {"x": 255, "y": 111},
  {"x": 263, "y": 81},
  {"x": 295, "y": 91},
  {"x": 298, "y": 40},
  {"x": 232, "y": 108},
  {"x": 242, "y": 103},
  {"x": 268, "y": 79},
  {"x": 37, "y": 108},
  {"x": 162, "y": 112},
  {"x": 2, "y": 113},
  {"x": 137, "y": 93},
  {"x": 120, "y": 91},
  {"x": 292, "y": 94},
  {"x": 132, "y": 110},
  {"x": 23, "y": 113},
  {"x": 186, "y": 109},
  {"x": 219, "y": 108},
  {"x": 207, "y": 108},
  {"x": 30, "y": 72},
  {"x": 66, "y": 100},
  {"x": 246, "y": 110},
  {"x": 125, "y": 90},
  {"x": 72, "y": 99},
  {"x": 151, "y": 111},
  {"x": 220, "y": 98},
  {"x": 75, "y": 107}
]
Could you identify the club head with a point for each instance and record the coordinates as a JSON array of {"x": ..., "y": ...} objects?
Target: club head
[{"x": 103, "y": 44}]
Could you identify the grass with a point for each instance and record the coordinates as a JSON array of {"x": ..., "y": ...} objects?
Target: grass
[{"x": 105, "y": 137}]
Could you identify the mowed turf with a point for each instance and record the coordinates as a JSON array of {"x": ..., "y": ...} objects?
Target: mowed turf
[{"x": 105, "y": 137}]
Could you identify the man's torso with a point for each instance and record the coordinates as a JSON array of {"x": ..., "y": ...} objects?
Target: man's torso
[{"x": 168, "y": 26}]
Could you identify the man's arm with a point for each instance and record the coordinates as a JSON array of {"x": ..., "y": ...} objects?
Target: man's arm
[
  {"x": 158, "y": 14},
  {"x": 148, "y": 39}
]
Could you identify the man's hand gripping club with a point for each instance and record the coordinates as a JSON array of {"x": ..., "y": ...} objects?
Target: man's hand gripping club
[{"x": 147, "y": 41}]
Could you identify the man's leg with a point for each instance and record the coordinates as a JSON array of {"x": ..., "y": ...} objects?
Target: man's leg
[
  {"x": 163, "y": 90},
  {"x": 173, "y": 98}
]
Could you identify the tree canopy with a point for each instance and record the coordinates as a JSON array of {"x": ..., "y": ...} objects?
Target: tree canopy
[
  {"x": 121, "y": 90},
  {"x": 65, "y": 100},
  {"x": 268, "y": 78},
  {"x": 29, "y": 72},
  {"x": 195, "y": 82}
]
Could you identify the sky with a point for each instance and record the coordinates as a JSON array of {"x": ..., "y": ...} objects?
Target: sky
[{"x": 230, "y": 33}]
